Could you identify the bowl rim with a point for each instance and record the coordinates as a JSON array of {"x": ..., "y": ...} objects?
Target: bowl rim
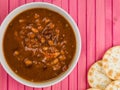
[{"x": 49, "y": 6}]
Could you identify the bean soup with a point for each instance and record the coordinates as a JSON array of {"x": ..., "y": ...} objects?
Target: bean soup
[{"x": 39, "y": 44}]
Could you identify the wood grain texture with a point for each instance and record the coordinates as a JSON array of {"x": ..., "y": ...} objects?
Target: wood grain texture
[
  {"x": 3, "y": 74},
  {"x": 29, "y": 1},
  {"x": 38, "y": 0},
  {"x": 82, "y": 20},
  {"x": 12, "y": 84},
  {"x": 13, "y": 4},
  {"x": 4, "y": 5},
  {"x": 116, "y": 22},
  {"x": 64, "y": 83},
  {"x": 3, "y": 79},
  {"x": 73, "y": 76},
  {"x": 47, "y": 88},
  {"x": 26, "y": 87},
  {"x": 108, "y": 24},
  {"x": 57, "y": 86},
  {"x": 100, "y": 28},
  {"x": 91, "y": 17},
  {"x": 40, "y": 88},
  {"x": 20, "y": 86},
  {"x": 21, "y": 2}
]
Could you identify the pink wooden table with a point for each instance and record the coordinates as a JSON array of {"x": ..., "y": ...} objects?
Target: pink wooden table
[{"x": 99, "y": 23}]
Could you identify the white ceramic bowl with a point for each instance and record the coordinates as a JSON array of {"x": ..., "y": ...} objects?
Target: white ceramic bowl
[{"x": 52, "y": 7}]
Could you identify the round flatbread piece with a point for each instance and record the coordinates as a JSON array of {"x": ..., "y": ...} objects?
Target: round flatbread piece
[
  {"x": 97, "y": 77},
  {"x": 115, "y": 85},
  {"x": 93, "y": 89},
  {"x": 111, "y": 63}
]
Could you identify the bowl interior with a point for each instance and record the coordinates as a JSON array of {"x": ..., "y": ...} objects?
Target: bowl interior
[{"x": 50, "y": 7}]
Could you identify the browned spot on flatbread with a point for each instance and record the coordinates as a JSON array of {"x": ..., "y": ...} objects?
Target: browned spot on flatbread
[
  {"x": 90, "y": 73},
  {"x": 110, "y": 72},
  {"x": 115, "y": 60},
  {"x": 105, "y": 66},
  {"x": 91, "y": 81},
  {"x": 100, "y": 64},
  {"x": 117, "y": 76},
  {"x": 111, "y": 88},
  {"x": 98, "y": 86},
  {"x": 92, "y": 69},
  {"x": 113, "y": 83},
  {"x": 118, "y": 86},
  {"x": 105, "y": 60}
]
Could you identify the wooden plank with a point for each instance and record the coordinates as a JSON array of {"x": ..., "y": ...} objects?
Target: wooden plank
[
  {"x": 38, "y": 0},
  {"x": 64, "y": 83},
  {"x": 65, "y": 5},
  {"x": 3, "y": 9},
  {"x": 35, "y": 89},
  {"x": 73, "y": 75},
  {"x": 29, "y": 1},
  {"x": 108, "y": 24},
  {"x": 3, "y": 79},
  {"x": 48, "y": 1},
  {"x": 38, "y": 88},
  {"x": 90, "y": 33},
  {"x": 21, "y": 2},
  {"x": 3, "y": 74},
  {"x": 13, "y": 4},
  {"x": 47, "y": 88},
  {"x": 100, "y": 28},
  {"x": 57, "y": 2},
  {"x": 12, "y": 84},
  {"x": 116, "y": 22},
  {"x": 21, "y": 86},
  {"x": 26, "y": 87},
  {"x": 58, "y": 85},
  {"x": 82, "y": 23}
]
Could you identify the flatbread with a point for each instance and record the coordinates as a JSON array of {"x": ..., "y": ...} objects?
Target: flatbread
[
  {"x": 93, "y": 89},
  {"x": 111, "y": 63},
  {"x": 97, "y": 77},
  {"x": 115, "y": 85}
]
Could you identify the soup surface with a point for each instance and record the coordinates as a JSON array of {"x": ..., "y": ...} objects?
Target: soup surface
[{"x": 39, "y": 44}]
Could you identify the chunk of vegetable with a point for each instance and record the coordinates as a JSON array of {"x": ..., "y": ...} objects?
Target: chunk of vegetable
[
  {"x": 62, "y": 57},
  {"x": 16, "y": 53},
  {"x": 56, "y": 67},
  {"x": 28, "y": 62},
  {"x": 42, "y": 40},
  {"x": 36, "y": 15},
  {"x": 55, "y": 61},
  {"x": 34, "y": 30},
  {"x": 21, "y": 20},
  {"x": 50, "y": 42}
]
